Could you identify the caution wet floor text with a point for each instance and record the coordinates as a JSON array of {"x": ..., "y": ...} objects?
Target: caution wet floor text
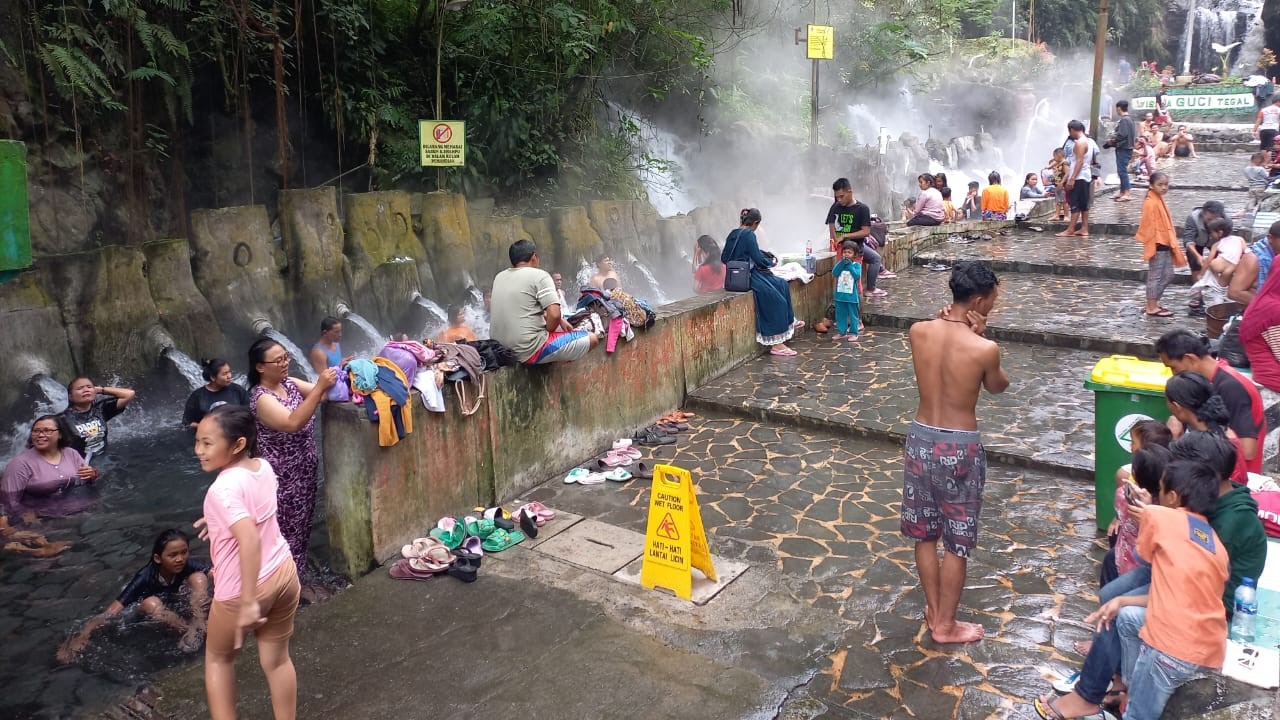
[{"x": 675, "y": 541}]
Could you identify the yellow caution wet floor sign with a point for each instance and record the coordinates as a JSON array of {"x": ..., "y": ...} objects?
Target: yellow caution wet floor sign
[{"x": 675, "y": 541}]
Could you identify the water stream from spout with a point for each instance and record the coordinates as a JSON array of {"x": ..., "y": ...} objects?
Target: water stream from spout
[
  {"x": 431, "y": 306},
  {"x": 295, "y": 352},
  {"x": 189, "y": 368},
  {"x": 658, "y": 297},
  {"x": 367, "y": 327}
]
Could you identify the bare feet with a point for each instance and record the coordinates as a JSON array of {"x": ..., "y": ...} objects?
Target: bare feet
[
  {"x": 191, "y": 639},
  {"x": 958, "y": 632},
  {"x": 45, "y": 551},
  {"x": 1064, "y": 233},
  {"x": 1083, "y": 647}
]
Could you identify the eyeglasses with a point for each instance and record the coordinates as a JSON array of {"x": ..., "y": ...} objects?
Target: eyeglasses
[
  {"x": 44, "y": 431},
  {"x": 282, "y": 360}
]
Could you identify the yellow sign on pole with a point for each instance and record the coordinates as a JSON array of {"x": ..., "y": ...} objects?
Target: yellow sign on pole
[
  {"x": 675, "y": 540},
  {"x": 822, "y": 42},
  {"x": 444, "y": 143}
]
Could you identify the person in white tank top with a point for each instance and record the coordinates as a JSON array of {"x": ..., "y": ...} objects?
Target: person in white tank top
[{"x": 1268, "y": 123}]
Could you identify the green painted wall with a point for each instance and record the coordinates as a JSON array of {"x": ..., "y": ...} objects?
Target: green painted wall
[{"x": 15, "y": 221}]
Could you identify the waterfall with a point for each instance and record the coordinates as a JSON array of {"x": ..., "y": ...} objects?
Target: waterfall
[
  {"x": 476, "y": 317},
  {"x": 367, "y": 327},
  {"x": 658, "y": 297},
  {"x": 431, "y": 307},
  {"x": 299, "y": 357},
  {"x": 55, "y": 395},
  {"x": 1222, "y": 22},
  {"x": 659, "y": 161},
  {"x": 189, "y": 368},
  {"x": 585, "y": 271}
]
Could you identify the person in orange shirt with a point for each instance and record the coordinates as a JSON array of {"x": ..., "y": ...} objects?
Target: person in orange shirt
[
  {"x": 995, "y": 199},
  {"x": 1160, "y": 247},
  {"x": 1179, "y": 630},
  {"x": 457, "y": 330}
]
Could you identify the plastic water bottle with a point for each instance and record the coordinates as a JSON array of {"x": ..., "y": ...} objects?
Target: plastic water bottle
[
  {"x": 1245, "y": 617},
  {"x": 809, "y": 261}
]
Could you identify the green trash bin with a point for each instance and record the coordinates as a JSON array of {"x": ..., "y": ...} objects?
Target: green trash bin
[{"x": 1126, "y": 391}]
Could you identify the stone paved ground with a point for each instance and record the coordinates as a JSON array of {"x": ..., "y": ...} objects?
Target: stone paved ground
[
  {"x": 1083, "y": 313},
  {"x": 1045, "y": 418},
  {"x": 823, "y": 510},
  {"x": 1181, "y": 202},
  {"x": 1117, "y": 257}
]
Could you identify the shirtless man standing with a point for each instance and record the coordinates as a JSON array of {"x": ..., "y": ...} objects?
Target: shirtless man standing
[{"x": 945, "y": 466}]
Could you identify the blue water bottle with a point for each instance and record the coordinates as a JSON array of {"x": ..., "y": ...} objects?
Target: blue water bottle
[{"x": 1245, "y": 617}]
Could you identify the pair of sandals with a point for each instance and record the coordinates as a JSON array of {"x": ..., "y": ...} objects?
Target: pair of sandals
[{"x": 425, "y": 558}]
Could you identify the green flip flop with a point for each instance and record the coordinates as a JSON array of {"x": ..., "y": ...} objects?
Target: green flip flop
[
  {"x": 450, "y": 532},
  {"x": 479, "y": 527},
  {"x": 502, "y": 539}
]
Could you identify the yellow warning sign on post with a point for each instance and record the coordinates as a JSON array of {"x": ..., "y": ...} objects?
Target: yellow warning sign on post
[
  {"x": 675, "y": 541},
  {"x": 444, "y": 143},
  {"x": 822, "y": 42}
]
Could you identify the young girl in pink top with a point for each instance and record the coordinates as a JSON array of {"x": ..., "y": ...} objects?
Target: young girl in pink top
[{"x": 245, "y": 542}]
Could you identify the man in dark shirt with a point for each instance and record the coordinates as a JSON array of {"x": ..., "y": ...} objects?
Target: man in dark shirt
[
  {"x": 849, "y": 219},
  {"x": 1125, "y": 133},
  {"x": 1195, "y": 239},
  {"x": 1182, "y": 350}
]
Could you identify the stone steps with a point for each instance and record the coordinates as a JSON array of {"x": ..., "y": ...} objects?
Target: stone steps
[
  {"x": 1106, "y": 256},
  {"x": 1044, "y": 420},
  {"x": 1100, "y": 315}
]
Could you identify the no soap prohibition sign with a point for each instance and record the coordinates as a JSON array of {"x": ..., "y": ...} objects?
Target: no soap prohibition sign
[{"x": 444, "y": 143}]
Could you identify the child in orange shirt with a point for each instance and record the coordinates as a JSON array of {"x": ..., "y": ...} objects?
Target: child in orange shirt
[{"x": 995, "y": 199}]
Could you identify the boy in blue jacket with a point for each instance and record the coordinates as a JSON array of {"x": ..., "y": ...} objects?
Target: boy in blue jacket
[{"x": 848, "y": 276}]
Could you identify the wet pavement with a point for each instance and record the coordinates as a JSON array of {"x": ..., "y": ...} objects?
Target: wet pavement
[
  {"x": 1044, "y": 419},
  {"x": 1101, "y": 315},
  {"x": 1181, "y": 203},
  {"x": 825, "y": 623},
  {"x": 1117, "y": 257}
]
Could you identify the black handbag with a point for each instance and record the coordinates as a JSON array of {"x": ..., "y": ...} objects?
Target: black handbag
[
  {"x": 1231, "y": 349},
  {"x": 737, "y": 273}
]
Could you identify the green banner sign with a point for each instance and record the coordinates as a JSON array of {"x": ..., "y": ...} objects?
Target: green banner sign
[{"x": 15, "y": 220}]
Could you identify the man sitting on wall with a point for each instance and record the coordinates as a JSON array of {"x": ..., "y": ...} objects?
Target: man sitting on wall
[{"x": 527, "y": 315}]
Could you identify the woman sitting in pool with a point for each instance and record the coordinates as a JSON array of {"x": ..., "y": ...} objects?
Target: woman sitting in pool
[{"x": 170, "y": 581}]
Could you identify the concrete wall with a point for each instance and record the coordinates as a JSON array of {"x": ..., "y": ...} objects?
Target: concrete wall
[{"x": 534, "y": 423}]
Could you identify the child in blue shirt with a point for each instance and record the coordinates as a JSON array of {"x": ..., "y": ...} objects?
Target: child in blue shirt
[{"x": 848, "y": 275}]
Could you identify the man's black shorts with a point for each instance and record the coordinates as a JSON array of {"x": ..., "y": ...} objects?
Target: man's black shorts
[{"x": 1081, "y": 195}]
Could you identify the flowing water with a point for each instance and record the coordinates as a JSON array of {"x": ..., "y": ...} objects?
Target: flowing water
[
  {"x": 658, "y": 297},
  {"x": 1217, "y": 21},
  {"x": 189, "y": 368},
  {"x": 368, "y": 329},
  {"x": 295, "y": 352},
  {"x": 432, "y": 307},
  {"x": 150, "y": 482}
]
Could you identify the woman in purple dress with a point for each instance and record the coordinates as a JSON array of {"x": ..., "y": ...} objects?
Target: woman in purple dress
[{"x": 285, "y": 408}]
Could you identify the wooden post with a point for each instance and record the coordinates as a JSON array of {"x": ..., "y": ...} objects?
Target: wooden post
[{"x": 1099, "y": 50}]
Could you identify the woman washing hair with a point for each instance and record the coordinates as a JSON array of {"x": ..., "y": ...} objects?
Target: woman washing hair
[{"x": 708, "y": 271}]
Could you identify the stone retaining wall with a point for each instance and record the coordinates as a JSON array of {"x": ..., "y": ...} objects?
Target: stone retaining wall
[{"x": 533, "y": 423}]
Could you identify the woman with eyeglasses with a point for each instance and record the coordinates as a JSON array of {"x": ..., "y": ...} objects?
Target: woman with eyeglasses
[
  {"x": 285, "y": 409},
  {"x": 49, "y": 465}
]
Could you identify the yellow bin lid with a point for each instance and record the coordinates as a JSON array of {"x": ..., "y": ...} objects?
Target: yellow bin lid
[{"x": 1130, "y": 372}]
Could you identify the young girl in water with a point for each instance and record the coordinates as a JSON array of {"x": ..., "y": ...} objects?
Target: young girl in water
[
  {"x": 257, "y": 584},
  {"x": 171, "y": 581}
]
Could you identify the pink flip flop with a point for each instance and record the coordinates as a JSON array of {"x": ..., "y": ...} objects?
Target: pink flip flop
[
  {"x": 616, "y": 459},
  {"x": 783, "y": 353},
  {"x": 542, "y": 512}
]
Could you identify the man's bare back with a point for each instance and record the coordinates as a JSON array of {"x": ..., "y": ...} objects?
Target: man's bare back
[{"x": 952, "y": 363}]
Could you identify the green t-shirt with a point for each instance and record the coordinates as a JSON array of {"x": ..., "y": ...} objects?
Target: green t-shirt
[{"x": 520, "y": 296}]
